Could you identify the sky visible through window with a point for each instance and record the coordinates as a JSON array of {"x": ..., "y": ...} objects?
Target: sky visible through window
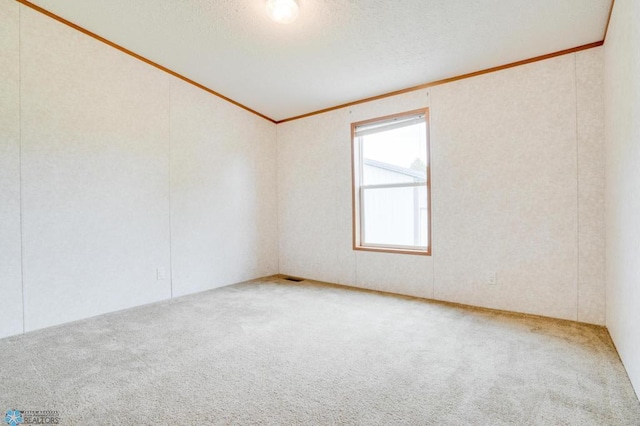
[{"x": 400, "y": 147}]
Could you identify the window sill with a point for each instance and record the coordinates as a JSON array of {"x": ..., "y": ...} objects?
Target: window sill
[{"x": 392, "y": 250}]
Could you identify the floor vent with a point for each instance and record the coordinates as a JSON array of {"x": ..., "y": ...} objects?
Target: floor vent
[{"x": 295, "y": 280}]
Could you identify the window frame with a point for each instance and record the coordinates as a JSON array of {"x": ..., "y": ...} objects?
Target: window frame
[{"x": 357, "y": 193}]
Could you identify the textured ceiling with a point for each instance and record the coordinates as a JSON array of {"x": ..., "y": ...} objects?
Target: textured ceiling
[{"x": 338, "y": 51}]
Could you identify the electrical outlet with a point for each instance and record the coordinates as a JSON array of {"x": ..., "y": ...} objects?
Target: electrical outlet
[
  {"x": 493, "y": 278},
  {"x": 161, "y": 274}
]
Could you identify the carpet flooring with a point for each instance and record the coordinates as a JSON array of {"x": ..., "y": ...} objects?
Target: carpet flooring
[{"x": 275, "y": 352}]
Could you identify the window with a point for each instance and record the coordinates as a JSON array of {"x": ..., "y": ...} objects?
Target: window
[{"x": 391, "y": 184}]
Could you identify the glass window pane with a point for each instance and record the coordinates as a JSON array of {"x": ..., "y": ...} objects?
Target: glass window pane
[
  {"x": 395, "y": 216},
  {"x": 395, "y": 156}
]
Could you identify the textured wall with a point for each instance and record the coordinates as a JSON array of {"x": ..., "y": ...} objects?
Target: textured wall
[
  {"x": 622, "y": 106},
  {"x": 95, "y": 170},
  {"x": 10, "y": 257},
  {"x": 223, "y": 192},
  {"x": 314, "y": 201},
  {"x": 125, "y": 170},
  {"x": 506, "y": 165},
  {"x": 505, "y": 173},
  {"x": 591, "y": 185}
]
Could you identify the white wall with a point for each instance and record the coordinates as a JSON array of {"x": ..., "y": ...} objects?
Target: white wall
[
  {"x": 10, "y": 264},
  {"x": 314, "y": 193},
  {"x": 223, "y": 192},
  {"x": 124, "y": 169},
  {"x": 95, "y": 175},
  {"x": 622, "y": 106},
  {"x": 517, "y": 191},
  {"x": 591, "y": 185}
]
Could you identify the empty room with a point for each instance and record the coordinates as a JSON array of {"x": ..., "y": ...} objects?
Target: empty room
[{"x": 320, "y": 212}]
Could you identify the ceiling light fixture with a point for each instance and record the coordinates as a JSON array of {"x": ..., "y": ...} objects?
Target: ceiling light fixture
[{"x": 282, "y": 11}]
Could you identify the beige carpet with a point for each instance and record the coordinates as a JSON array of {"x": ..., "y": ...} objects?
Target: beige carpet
[{"x": 276, "y": 352}]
